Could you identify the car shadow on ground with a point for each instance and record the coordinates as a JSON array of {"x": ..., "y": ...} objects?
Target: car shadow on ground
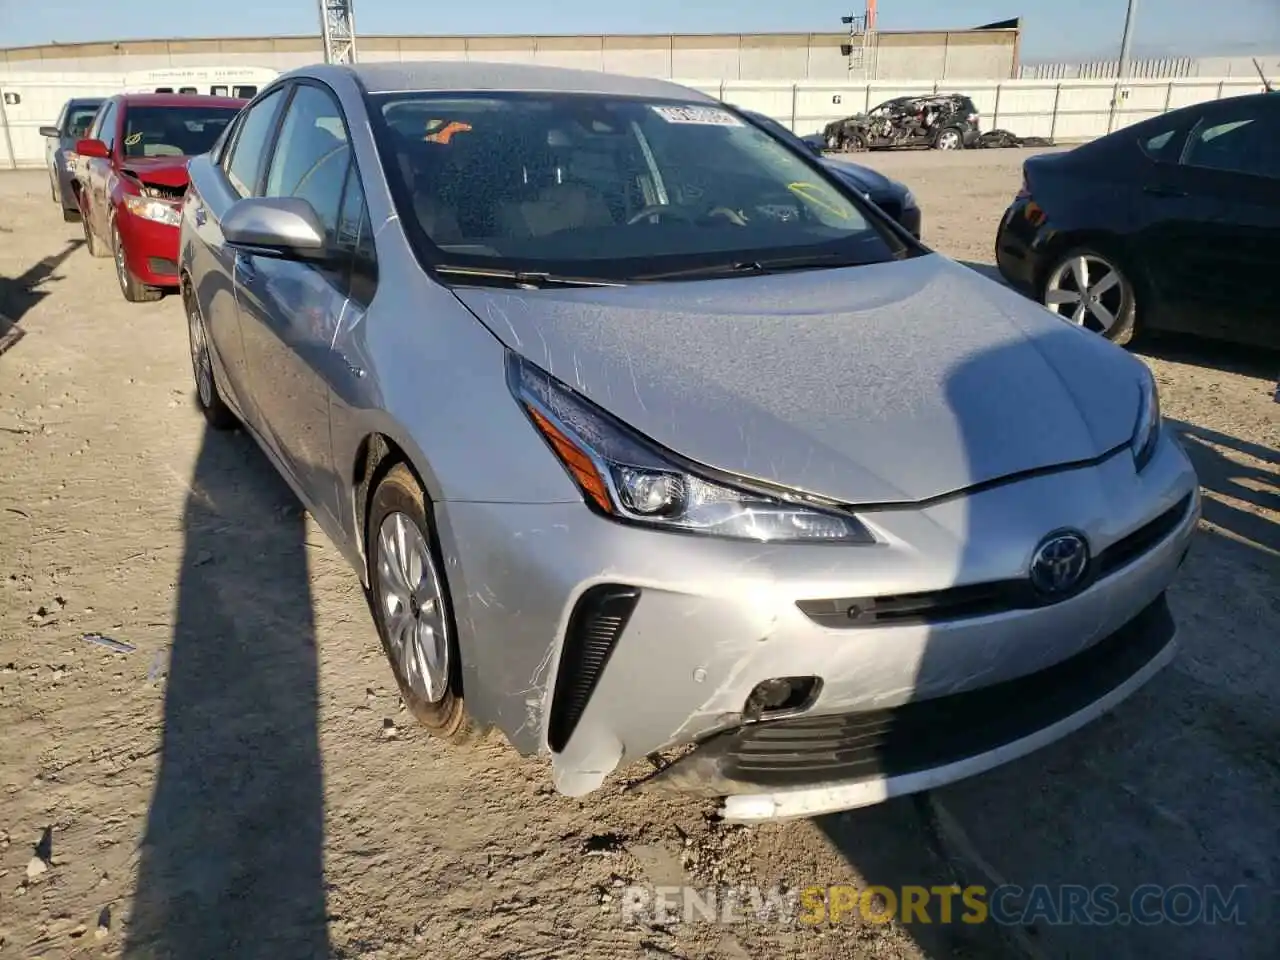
[
  {"x": 1235, "y": 493},
  {"x": 19, "y": 294},
  {"x": 1177, "y": 788},
  {"x": 232, "y": 858},
  {"x": 1214, "y": 354}
]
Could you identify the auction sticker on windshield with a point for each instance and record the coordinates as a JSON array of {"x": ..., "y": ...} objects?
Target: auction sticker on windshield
[{"x": 704, "y": 115}]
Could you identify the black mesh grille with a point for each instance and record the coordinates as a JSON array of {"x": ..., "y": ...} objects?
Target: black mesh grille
[
  {"x": 984, "y": 599},
  {"x": 931, "y": 733},
  {"x": 597, "y": 622}
]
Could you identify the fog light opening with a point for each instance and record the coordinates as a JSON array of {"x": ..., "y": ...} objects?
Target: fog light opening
[{"x": 781, "y": 695}]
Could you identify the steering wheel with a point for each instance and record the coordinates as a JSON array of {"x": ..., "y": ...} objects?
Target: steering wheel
[
  {"x": 658, "y": 210},
  {"x": 664, "y": 209}
]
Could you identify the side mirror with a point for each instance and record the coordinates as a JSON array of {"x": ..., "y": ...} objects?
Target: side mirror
[
  {"x": 286, "y": 228},
  {"x": 50, "y": 132},
  {"x": 93, "y": 148}
]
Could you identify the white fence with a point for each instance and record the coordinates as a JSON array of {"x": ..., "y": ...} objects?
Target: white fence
[{"x": 1067, "y": 111}]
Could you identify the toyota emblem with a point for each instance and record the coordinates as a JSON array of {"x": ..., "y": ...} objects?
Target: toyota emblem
[{"x": 1060, "y": 563}]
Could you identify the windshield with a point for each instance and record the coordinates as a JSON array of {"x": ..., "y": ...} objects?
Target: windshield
[
  {"x": 80, "y": 119},
  {"x": 173, "y": 131},
  {"x": 610, "y": 187}
]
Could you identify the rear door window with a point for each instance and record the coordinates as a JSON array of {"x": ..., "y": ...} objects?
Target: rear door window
[{"x": 1243, "y": 138}]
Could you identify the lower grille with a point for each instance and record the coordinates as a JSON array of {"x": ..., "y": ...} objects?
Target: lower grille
[
  {"x": 596, "y": 625},
  {"x": 932, "y": 733}
]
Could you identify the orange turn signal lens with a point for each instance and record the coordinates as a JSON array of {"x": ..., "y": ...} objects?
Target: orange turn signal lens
[{"x": 575, "y": 460}]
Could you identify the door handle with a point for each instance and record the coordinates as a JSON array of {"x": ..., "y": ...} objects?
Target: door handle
[
  {"x": 1163, "y": 190},
  {"x": 245, "y": 266}
]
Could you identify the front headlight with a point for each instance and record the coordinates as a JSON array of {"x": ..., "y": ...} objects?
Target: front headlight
[
  {"x": 909, "y": 201},
  {"x": 1146, "y": 432},
  {"x": 628, "y": 478},
  {"x": 156, "y": 210}
]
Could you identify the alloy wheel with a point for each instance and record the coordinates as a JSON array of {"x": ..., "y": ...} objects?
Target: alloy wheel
[
  {"x": 121, "y": 276},
  {"x": 1087, "y": 290},
  {"x": 413, "y": 607},
  {"x": 948, "y": 140},
  {"x": 201, "y": 364}
]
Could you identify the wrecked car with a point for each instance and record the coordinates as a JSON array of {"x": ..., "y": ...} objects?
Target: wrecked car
[
  {"x": 654, "y": 445},
  {"x": 130, "y": 178},
  {"x": 948, "y": 121}
]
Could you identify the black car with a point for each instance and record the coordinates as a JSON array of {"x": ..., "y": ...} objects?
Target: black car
[
  {"x": 944, "y": 121},
  {"x": 60, "y": 143},
  {"x": 1169, "y": 224},
  {"x": 894, "y": 198}
]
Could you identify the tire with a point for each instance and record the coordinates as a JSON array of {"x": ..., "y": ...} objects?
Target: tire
[
  {"x": 1117, "y": 299},
  {"x": 856, "y": 141},
  {"x": 398, "y": 513},
  {"x": 95, "y": 246},
  {"x": 134, "y": 290},
  {"x": 835, "y": 142},
  {"x": 208, "y": 398},
  {"x": 949, "y": 138}
]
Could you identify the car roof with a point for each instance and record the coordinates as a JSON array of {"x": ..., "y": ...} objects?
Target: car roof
[
  {"x": 179, "y": 100},
  {"x": 472, "y": 75}
]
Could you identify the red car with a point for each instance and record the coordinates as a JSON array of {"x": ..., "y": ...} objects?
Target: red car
[{"x": 131, "y": 178}]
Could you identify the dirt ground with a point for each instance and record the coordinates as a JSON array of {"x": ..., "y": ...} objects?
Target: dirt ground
[{"x": 242, "y": 783}]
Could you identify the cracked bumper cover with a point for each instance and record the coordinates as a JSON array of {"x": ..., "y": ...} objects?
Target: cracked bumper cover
[
  {"x": 715, "y": 618},
  {"x": 802, "y": 767}
]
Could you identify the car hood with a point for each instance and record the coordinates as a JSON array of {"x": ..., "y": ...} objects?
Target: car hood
[
  {"x": 865, "y": 179},
  {"x": 165, "y": 171},
  {"x": 896, "y": 382}
]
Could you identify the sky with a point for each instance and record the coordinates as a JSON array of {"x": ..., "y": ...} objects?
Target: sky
[{"x": 1053, "y": 29}]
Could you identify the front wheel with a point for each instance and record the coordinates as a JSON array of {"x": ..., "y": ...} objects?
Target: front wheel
[
  {"x": 411, "y": 605},
  {"x": 134, "y": 290},
  {"x": 1090, "y": 289}
]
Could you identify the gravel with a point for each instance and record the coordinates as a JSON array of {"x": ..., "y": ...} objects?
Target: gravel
[{"x": 221, "y": 782}]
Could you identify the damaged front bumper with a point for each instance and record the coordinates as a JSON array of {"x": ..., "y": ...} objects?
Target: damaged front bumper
[
  {"x": 804, "y": 767},
  {"x": 603, "y": 644}
]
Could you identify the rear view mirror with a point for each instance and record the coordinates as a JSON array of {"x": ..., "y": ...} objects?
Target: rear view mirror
[
  {"x": 283, "y": 227},
  {"x": 51, "y": 132},
  {"x": 92, "y": 148}
]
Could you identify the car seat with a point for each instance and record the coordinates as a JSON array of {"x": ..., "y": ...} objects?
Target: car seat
[{"x": 553, "y": 202}]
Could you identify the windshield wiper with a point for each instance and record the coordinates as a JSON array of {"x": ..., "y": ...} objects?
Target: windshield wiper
[
  {"x": 749, "y": 268},
  {"x": 529, "y": 279}
]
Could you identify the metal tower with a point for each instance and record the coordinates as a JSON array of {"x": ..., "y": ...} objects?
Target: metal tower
[{"x": 338, "y": 31}]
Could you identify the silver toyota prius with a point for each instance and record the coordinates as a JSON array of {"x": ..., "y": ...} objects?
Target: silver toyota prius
[{"x": 653, "y": 441}]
